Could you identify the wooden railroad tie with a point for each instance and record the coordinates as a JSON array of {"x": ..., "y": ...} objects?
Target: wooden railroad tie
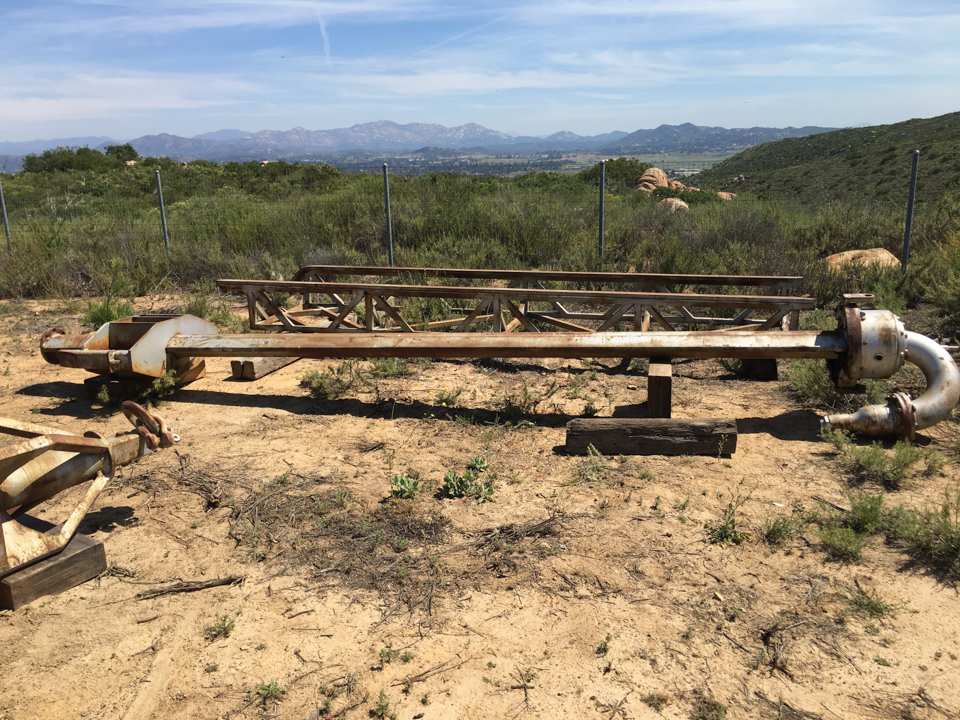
[{"x": 652, "y": 436}]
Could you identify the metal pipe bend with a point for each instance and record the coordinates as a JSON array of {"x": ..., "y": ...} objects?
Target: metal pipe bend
[{"x": 901, "y": 416}]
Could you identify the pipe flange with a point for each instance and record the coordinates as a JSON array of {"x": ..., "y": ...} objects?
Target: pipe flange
[{"x": 905, "y": 414}]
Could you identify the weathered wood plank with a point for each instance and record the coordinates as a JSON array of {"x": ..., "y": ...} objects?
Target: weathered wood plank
[
  {"x": 256, "y": 367},
  {"x": 652, "y": 436},
  {"x": 308, "y": 272},
  {"x": 783, "y": 302},
  {"x": 82, "y": 559}
]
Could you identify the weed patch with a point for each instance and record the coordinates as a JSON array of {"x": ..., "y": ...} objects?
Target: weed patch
[
  {"x": 809, "y": 383},
  {"x": 473, "y": 482},
  {"x": 726, "y": 530},
  {"x": 330, "y": 384},
  {"x": 219, "y": 629},
  {"x": 779, "y": 530},
  {"x": 890, "y": 468}
]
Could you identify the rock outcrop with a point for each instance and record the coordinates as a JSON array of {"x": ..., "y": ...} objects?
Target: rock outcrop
[
  {"x": 871, "y": 256},
  {"x": 726, "y": 195},
  {"x": 673, "y": 205},
  {"x": 654, "y": 176}
]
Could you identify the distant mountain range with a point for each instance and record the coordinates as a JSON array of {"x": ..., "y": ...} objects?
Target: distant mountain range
[{"x": 387, "y": 137}]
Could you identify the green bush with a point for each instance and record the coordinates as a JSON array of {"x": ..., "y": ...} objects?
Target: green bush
[
  {"x": 809, "y": 383},
  {"x": 890, "y": 468},
  {"x": 931, "y": 536},
  {"x": 330, "y": 384},
  {"x": 842, "y": 543},
  {"x": 106, "y": 310}
]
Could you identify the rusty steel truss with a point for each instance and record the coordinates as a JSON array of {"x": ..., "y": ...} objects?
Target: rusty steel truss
[{"x": 337, "y": 306}]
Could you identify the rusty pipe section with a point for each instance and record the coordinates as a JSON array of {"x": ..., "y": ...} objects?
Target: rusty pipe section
[
  {"x": 678, "y": 344},
  {"x": 901, "y": 415}
]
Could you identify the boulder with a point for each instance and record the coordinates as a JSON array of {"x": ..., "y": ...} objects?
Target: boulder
[
  {"x": 673, "y": 205},
  {"x": 646, "y": 187},
  {"x": 726, "y": 195},
  {"x": 656, "y": 177},
  {"x": 872, "y": 256},
  {"x": 677, "y": 185}
]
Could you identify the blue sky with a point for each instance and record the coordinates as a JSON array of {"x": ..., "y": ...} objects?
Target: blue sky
[{"x": 124, "y": 68}]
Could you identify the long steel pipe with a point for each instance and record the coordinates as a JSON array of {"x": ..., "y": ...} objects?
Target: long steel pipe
[
  {"x": 867, "y": 344},
  {"x": 690, "y": 344}
]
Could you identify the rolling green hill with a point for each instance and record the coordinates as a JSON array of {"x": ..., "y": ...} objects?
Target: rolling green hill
[{"x": 870, "y": 164}]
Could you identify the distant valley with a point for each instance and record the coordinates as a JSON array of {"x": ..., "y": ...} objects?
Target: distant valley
[{"x": 425, "y": 140}]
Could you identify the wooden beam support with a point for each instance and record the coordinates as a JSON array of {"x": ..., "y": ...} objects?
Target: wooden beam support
[
  {"x": 651, "y": 436},
  {"x": 82, "y": 559},
  {"x": 660, "y": 388}
]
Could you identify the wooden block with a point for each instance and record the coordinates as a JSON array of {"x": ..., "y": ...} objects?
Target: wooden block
[
  {"x": 764, "y": 370},
  {"x": 652, "y": 436},
  {"x": 660, "y": 388},
  {"x": 82, "y": 559},
  {"x": 257, "y": 367}
]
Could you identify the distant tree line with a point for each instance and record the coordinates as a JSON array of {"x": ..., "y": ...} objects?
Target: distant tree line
[{"x": 62, "y": 159}]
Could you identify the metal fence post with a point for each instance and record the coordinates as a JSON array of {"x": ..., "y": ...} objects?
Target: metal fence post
[
  {"x": 163, "y": 216},
  {"x": 6, "y": 220},
  {"x": 602, "y": 221},
  {"x": 388, "y": 215},
  {"x": 911, "y": 198}
]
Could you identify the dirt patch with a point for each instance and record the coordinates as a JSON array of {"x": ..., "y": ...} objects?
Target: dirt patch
[{"x": 582, "y": 587}]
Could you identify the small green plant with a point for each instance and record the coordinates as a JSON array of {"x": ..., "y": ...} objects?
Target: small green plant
[
  {"x": 779, "y": 530},
  {"x": 473, "y": 483},
  {"x": 162, "y": 387},
  {"x": 220, "y": 629},
  {"x": 866, "y": 514},
  {"x": 655, "y": 701},
  {"x": 107, "y": 310},
  {"x": 103, "y": 395},
  {"x": 382, "y": 710},
  {"x": 726, "y": 530},
  {"x": 211, "y": 667},
  {"x": 204, "y": 304},
  {"x": 524, "y": 401},
  {"x": 388, "y": 654},
  {"x": 332, "y": 383},
  {"x": 842, "y": 543},
  {"x": 868, "y": 604},
  {"x": 592, "y": 469},
  {"x": 449, "y": 398},
  {"x": 269, "y": 692},
  {"x": 603, "y": 647},
  {"x": 477, "y": 465},
  {"x": 405, "y": 486},
  {"x": 389, "y": 367},
  {"x": 706, "y": 708}
]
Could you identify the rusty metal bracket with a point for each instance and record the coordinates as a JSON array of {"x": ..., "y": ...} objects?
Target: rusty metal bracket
[{"x": 45, "y": 461}]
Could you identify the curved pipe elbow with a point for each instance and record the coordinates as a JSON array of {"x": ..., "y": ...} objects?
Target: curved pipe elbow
[{"x": 901, "y": 416}]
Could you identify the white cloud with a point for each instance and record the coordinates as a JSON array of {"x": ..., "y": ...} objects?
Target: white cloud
[{"x": 45, "y": 93}]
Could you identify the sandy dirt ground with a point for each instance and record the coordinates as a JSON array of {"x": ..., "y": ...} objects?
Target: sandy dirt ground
[{"x": 615, "y": 606}]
